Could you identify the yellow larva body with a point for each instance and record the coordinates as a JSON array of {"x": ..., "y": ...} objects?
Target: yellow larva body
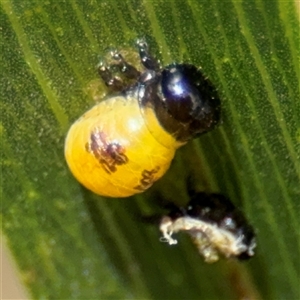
[{"x": 111, "y": 151}]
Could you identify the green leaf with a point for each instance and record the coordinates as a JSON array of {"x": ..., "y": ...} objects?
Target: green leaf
[{"x": 71, "y": 244}]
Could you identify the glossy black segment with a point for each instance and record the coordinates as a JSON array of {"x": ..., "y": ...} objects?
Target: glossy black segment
[
  {"x": 190, "y": 98},
  {"x": 180, "y": 96},
  {"x": 184, "y": 101}
]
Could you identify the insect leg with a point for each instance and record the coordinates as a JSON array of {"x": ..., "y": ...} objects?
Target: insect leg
[
  {"x": 148, "y": 61},
  {"x": 113, "y": 82},
  {"x": 129, "y": 71}
]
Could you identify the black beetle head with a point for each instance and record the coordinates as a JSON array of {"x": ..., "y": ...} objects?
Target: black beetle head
[{"x": 190, "y": 98}]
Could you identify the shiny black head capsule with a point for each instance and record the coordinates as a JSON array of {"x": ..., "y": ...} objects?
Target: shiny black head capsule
[
  {"x": 189, "y": 97},
  {"x": 185, "y": 102}
]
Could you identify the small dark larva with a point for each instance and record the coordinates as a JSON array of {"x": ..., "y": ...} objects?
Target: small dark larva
[
  {"x": 214, "y": 224},
  {"x": 123, "y": 144}
]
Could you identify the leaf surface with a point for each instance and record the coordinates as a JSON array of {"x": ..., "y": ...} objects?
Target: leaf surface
[{"x": 71, "y": 244}]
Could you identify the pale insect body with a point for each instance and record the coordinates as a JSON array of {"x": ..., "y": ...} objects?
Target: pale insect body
[{"x": 215, "y": 225}]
